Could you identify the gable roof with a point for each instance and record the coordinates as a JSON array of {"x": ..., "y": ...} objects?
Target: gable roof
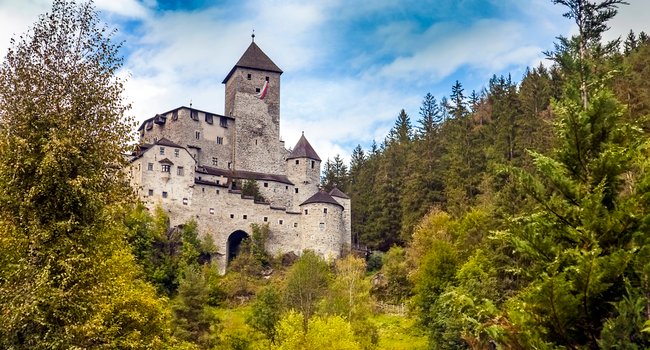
[
  {"x": 321, "y": 197},
  {"x": 254, "y": 58},
  {"x": 163, "y": 116},
  {"x": 335, "y": 192},
  {"x": 166, "y": 142},
  {"x": 303, "y": 150},
  {"x": 246, "y": 175}
]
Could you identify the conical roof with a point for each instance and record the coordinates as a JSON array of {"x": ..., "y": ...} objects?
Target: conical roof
[
  {"x": 303, "y": 150},
  {"x": 321, "y": 197},
  {"x": 254, "y": 58}
]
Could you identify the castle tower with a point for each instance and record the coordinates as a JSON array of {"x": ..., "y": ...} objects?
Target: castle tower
[
  {"x": 303, "y": 169},
  {"x": 253, "y": 99}
]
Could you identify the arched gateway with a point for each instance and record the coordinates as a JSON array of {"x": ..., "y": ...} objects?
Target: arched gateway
[{"x": 234, "y": 243}]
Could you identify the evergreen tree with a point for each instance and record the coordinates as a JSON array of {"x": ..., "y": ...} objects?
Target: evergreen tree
[
  {"x": 430, "y": 116},
  {"x": 67, "y": 277}
]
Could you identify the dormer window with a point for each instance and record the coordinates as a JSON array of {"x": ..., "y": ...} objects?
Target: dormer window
[
  {"x": 208, "y": 118},
  {"x": 194, "y": 115},
  {"x": 223, "y": 122},
  {"x": 175, "y": 115}
]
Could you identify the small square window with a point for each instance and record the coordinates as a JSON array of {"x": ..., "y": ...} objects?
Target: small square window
[
  {"x": 248, "y": 77},
  {"x": 197, "y": 135},
  {"x": 217, "y": 191},
  {"x": 257, "y": 89},
  {"x": 280, "y": 222},
  {"x": 150, "y": 166},
  {"x": 306, "y": 211},
  {"x": 166, "y": 168},
  {"x": 244, "y": 216},
  {"x": 164, "y": 194},
  {"x": 321, "y": 225},
  {"x": 162, "y": 151},
  {"x": 266, "y": 184},
  {"x": 180, "y": 171},
  {"x": 177, "y": 152},
  {"x": 297, "y": 161},
  {"x": 217, "y": 182},
  {"x": 211, "y": 211},
  {"x": 286, "y": 187},
  {"x": 229, "y": 165},
  {"x": 150, "y": 193},
  {"x": 324, "y": 210},
  {"x": 215, "y": 161},
  {"x": 184, "y": 201},
  {"x": 219, "y": 140},
  {"x": 296, "y": 189},
  {"x": 232, "y": 216},
  {"x": 267, "y": 78},
  {"x": 313, "y": 163},
  {"x": 295, "y": 224},
  {"x": 266, "y": 219}
]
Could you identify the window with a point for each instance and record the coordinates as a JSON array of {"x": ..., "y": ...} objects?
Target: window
[
  {"x": 266, "y": 219},
  {"x": 223, "y": 122},
  {"x": 194, "y": 115},
  {"x": 229, "y": 164},
  {"x": 166, "y": 168},
  {"x": 150, "y": 193},
  {"x": 324, "y": 210},
  {"x": 296, "y": 189},
  {"x": 295, "y": 224},
  {"x": 197, "y": 135},
  {"x": 150, "y": 166},
  {"x": 184, "y": 201},
  {"x": 312, "y": 164},
  {"x": 219, "y": 140},
  {"x": 208, "y": 118},
  {"x": 257, "y": 89},
  {"x": 164, "y": 194},
  {"x": 280, "y": 222},
  {"x": 162, "y": 151},
  {"x": 180, "y": 171},
  {"x": 306, "y": 211},
  {"x": 286, "y": 187},
  {"x": 218, "y": 182},
  {"x": 248, "y": 77},
  {"x": 232, "y": 216},
  {"x": 245, "y": 217},
  {"x": 177, "y": 152},
  {"x": 211, "y": 211},
  {"x": 267, "y": 78},
  {"x": 175, "y": 115},
  {"x": 217, "y": 191},
  {"x": 321, "y": 225},
  {"x": 297, "y": 161},
  {"x": 266, "y": 184},
  {"x": 215, "y": 161}
]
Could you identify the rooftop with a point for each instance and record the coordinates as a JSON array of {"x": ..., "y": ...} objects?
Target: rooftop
[
  {"x": 254, "y": 58},
  {"x": 303, "y": 150}
]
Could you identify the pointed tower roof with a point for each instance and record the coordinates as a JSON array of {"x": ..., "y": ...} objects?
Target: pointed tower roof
[
  {"x": 303, "y": 150},
  {"x": 321, "y": 197},
  {"x": 335, "y": 192},
  {"x": 254, "y": 58}
]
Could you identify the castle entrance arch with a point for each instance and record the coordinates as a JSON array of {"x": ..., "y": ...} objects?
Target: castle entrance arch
[{"x": 234, "y": 243}]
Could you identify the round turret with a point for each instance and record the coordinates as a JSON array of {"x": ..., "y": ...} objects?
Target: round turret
[{"x": 323, "y": 225}]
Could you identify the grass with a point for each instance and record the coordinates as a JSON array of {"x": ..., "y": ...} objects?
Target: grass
[{"x": 399, "y": 333}]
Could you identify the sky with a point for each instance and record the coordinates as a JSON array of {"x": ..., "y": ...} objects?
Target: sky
[{"x": 349, "y": 66}]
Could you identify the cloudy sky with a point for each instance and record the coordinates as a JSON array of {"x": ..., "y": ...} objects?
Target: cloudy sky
[{"x": 349, "y": 65}]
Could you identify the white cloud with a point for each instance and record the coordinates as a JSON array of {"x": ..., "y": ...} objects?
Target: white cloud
[{"x": 125, "y": 8}]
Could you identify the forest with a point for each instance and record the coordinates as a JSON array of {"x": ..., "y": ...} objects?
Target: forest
[{"x": 515, "y": 217}]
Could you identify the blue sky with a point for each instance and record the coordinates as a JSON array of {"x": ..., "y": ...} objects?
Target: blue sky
[{"x": 349, "y": 65}]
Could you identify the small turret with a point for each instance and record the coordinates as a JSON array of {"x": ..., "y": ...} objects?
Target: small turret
[
  {"x": 303, "y": 169},
  {"x": 323, "y": 221}
]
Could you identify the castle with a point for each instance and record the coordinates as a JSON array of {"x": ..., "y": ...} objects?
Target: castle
[{"x": 194, "y": 163}]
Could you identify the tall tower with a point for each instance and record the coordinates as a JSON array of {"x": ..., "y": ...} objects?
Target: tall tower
[{"x": 253, "y": 99}]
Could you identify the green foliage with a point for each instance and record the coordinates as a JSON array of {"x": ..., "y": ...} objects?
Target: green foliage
[
  {"x": 251, "y": 188},
  {"x": 67, "y": 278},
  {"x": 395, "y": 287},
  {"x": 330, "y": 332},
  {"x": 193, "y": 319},
  {"x": 266, "y": 312},
  {"x": 306, "y": 283}
]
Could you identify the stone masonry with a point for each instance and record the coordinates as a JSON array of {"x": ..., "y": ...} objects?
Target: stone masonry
[{"x": 193, "y": 163}]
